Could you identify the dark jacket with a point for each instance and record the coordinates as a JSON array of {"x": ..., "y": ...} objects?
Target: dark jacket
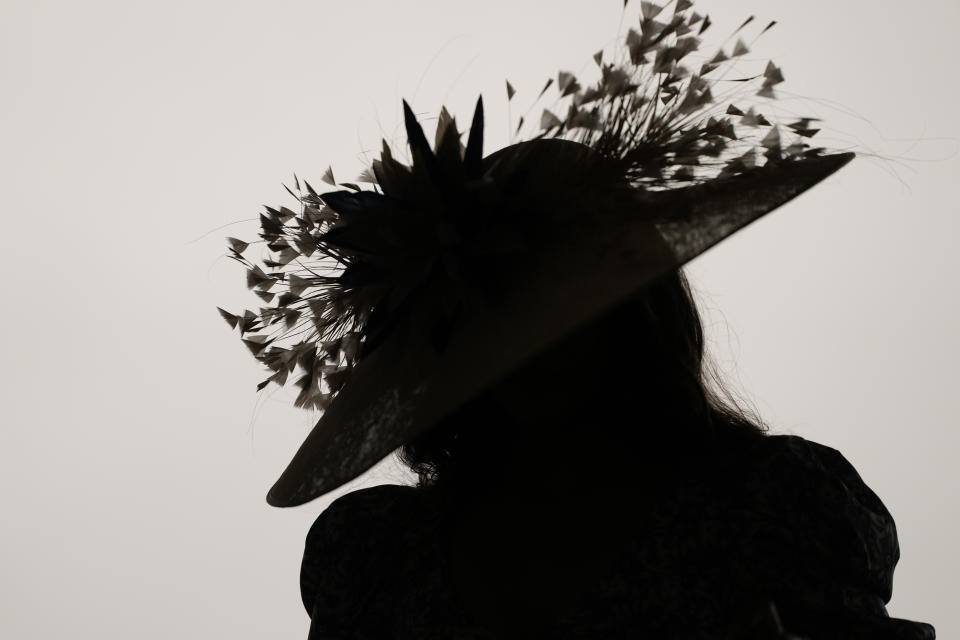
[{"x": 787, "y": 536}]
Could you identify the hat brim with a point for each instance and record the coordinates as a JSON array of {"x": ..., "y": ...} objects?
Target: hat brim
[{"x": 583, "y": 270}]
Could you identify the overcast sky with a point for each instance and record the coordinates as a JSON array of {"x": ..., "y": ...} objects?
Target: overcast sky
[{"x": 135, "y": 453}]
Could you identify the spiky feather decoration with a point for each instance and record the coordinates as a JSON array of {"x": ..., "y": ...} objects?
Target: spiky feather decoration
[{"x": 352, "y": 262}]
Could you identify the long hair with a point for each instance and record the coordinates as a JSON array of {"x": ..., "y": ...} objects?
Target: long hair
[{"x": 649, "y": 362}]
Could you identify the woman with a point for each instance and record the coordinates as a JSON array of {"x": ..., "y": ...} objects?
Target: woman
[
  {"x": 634, "y": 504},
  {"x": 519, "y": 326}
]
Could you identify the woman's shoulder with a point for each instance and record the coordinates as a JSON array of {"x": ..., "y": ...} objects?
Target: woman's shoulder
[
  {"x": 360, "y": 517},
  {"x": 817, "y": 536},
  {"x": 797, "y": 472},
  {"x": 817, "y": 457},
  {"x": 789, "y": 521},
  {"x": 817, "y": 492},
  {"x": 367, "y": 513},
  {"x": 361, "y": 534},
  {"x": 365, "y": 506}
]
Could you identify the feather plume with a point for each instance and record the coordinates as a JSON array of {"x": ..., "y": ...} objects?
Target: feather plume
[{"x": 353, "y": 263}]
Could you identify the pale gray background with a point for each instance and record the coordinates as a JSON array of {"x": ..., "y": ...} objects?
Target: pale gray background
[{"x": 135, "y": 455}]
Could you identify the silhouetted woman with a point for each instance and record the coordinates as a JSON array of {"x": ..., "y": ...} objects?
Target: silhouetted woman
[
  {"x": 604, "y": 490},
  {"x": 518, "y": 325}
]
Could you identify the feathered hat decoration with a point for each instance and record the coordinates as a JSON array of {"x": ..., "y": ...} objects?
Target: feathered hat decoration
[{"x": 433, "y": 243}]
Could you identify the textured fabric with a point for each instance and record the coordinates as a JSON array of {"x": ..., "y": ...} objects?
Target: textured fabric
[{"x": 794, "y": 531}]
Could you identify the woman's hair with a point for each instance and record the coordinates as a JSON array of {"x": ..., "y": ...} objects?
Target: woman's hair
[{"x": 648, "y": 381}]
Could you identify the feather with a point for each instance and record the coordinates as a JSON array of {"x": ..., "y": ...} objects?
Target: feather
[
  {"x": 473, "y": 156},
  {"x": 238, "y": 245},
  {"x": 328, "y": 177},
  {"x": 419, "y": 147},
  {"x": 231, "y": 319}
]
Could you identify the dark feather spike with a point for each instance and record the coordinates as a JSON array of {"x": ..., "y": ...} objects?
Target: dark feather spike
[
  {"x": 705, "y": 26},
  {"x": 415, "y": 136},
  {"x": 473, "y": 157},
  {"x": 545, "y": 87},
  {"x": 231, "y": 319}
]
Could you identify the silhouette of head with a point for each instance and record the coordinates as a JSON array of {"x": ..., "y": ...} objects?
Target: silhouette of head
[{"x": 631, "y": 383}]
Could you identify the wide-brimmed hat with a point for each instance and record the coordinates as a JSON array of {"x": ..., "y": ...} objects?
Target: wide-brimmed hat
[{"x": 413, "y": 298}]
